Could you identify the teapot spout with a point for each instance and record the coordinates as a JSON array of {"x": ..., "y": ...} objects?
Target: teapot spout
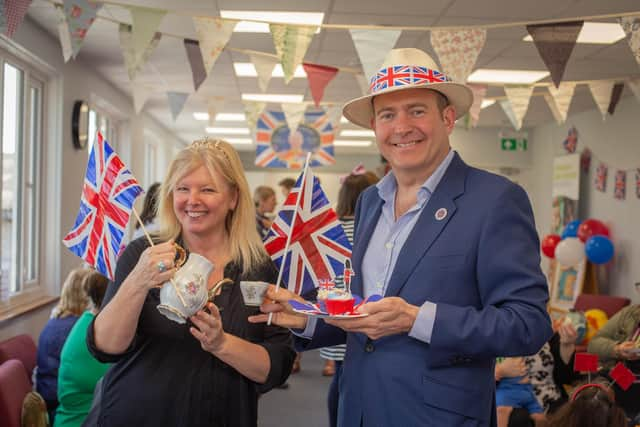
[{"x": 214, "y": 290}]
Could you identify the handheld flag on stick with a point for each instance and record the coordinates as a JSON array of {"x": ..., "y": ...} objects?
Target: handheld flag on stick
[
  {"x": 622, "y": 375},
  {"x": 108, "y": 194},
  {"x": 585, "y": 362}
]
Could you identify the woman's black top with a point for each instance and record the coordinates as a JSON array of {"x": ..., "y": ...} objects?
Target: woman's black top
[{"x": 165, "y": 378}]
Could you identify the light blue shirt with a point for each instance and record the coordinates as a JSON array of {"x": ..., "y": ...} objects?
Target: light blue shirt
[{"x": 386, "y": 242}]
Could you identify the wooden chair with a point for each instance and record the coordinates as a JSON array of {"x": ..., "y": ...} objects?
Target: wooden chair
[{"x": 23, "y": 348}]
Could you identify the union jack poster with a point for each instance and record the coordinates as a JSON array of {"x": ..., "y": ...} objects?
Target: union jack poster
[
  {"x": 106, "y": 202},
  {"x": 620, "y": 188},
  {"x": 601, "y": 177},
  {"x": 318, "y": 247},
  {"x": 276, "y": 147}
]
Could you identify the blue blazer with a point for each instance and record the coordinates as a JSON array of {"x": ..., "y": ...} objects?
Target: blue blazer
[{"x": 481, "y": 266}]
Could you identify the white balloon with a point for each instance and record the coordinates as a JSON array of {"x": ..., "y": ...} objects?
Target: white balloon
[{"x": 570, "y": 251}]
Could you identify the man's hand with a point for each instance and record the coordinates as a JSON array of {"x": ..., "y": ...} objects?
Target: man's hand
[
  {"x": 389, "y": 316},
  {"x": 278, "y": 304}
]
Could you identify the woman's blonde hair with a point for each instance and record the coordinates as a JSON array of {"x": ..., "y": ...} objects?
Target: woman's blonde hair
[
  {"x": 73, "y": 298},
  {"x": 219, "y": 156}
]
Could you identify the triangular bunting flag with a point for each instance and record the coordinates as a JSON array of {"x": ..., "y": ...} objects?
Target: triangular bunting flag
[
  {"x": 555, "y": 43},
  {"x": 145, "y": 23},
  {"x": 319, "y": 77},
  {"x": 559, "y": 100},
  {"x": 134, "y": 60},
  {"x": 631, "y": 27},
  {"x": 140, "y": 95},
  {"x": 458, "y": 50},
  {"x": 13, "y": 12},
  {"x": 252, "y": 111},
  {"x": 616, "y": 93},
  {"x": 363, "y": 83},
  {"x": 80, "y": 15},
  {"x": 506, "y": 106},
  {"x": 519, "y": 97},
  {"x": 601, "y": 92},
  {"x": 264, "y": 68},
  {"x": 214, "y": 105},
  {"x": 176, "y": 102},
  {"x": 291, "y": 43},
  {"x": 293, "y": 113},
  {"x": 195, "y": 60},
  {"x": 63, "y": 34},
  {"x": 3, "y": 18},
  {"x": 372, "y": 47},
  {"x": 634, "y": 85},
  {"x": 214, "y": 34},
  {"x": 479, "y": 92}
]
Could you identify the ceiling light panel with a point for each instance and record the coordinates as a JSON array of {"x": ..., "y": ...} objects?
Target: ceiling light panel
[
  {"x": 306, "y": 18},
  {"x": 247, "y": 69},
  {"x": 485, "y": 75},
  {"x": 357, "y": 132},
  {"x": 351, "y": 143},
  {"x": 266, "y": 97},
  {"x": 227, "y": 131}
]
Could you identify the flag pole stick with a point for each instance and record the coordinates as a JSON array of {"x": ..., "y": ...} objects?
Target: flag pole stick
[
  {"x": 293, "y": 221},
  {"x": 144, "y": 230}
]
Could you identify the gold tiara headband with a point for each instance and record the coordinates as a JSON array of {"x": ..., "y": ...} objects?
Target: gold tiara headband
[{"x": 213, "y": 144}]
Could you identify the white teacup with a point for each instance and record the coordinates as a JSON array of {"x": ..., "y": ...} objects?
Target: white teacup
[{"x": 253, "y": 292}]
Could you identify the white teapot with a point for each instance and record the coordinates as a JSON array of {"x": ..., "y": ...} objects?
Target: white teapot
[{"x": 186, "y": 292}]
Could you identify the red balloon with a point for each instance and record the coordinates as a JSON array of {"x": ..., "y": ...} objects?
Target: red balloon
[
  {"x": 549, "y": 244},
  {"x": 592, "y": 227}
]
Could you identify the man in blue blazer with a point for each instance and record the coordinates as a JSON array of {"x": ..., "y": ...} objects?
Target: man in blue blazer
[{"x": 455, "y": 253}]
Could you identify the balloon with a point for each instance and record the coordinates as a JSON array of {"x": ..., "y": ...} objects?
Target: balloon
[
  {"x": 571, "y": 229},
  {"x": 599, "y": 249},
  {"x": 570, "y": 251},
  {"x": 592, "y": 227},
  {"x": 549, "y": 244}
]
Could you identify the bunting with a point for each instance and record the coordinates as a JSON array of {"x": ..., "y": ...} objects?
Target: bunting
[
  {"x": 13, "y": 12},
  {"x": 194, "y": 55},
  {"x": 458, "y": 50},
  {"x": 372, "y": 47},
  {"x": 63, "y": 34},
  {"x": 555, "y": 43},
  {"x": 145, "y": 24},
  {"x": 559, "y": 100},
  {"x": 3, "y": 17},
  {"x": 616, "y": 93},
  {"x": 601, "y": 92},
  {"x": 252, "y": 110},
  {"x": 291, "y": 43},
  {"x": 134, "y": 60},
  {"x": 293, "y": 113},
  {"x": 334, "y": 114},
  {"x": 518, "y": 97},
  {"x": 363, "y": 83},
  {"x": 176, "y": 102},
  {"x": 213, "y": 34},
  {"x": 620, "y": 186},
  {"x": 215, "y": 104},
  {"x": 479, "y": 91},
  {"x": 319, "y": 77},
  {"x": 631, "y": 27},
  {"x": 264, "y": 69},
  {"x": 80, "y": 15}
]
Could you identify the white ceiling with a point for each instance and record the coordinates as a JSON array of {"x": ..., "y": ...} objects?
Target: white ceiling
[{"x": 168, "y": 68}]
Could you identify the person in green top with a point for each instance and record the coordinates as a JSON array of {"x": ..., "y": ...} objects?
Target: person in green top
[{"x": 79, "y": 370}]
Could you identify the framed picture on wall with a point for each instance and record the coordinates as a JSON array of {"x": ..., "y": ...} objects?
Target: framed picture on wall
[{"x": 566, "y": 285}]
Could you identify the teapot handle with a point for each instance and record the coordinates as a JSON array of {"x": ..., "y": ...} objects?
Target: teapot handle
[
  {"x": 214, "y": 290},
  {"x": 182, "y": 255}
]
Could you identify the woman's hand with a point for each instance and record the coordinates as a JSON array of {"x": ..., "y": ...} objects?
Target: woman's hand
[
  {"x": 155, "y": 266},
  {"x": 208, "y": 329},
  {"x": 512, "y": 367},
  {"x": 283, "y": 315},
  {"x": 627, "y": 351},
  {"x": 567, "y": 333}
]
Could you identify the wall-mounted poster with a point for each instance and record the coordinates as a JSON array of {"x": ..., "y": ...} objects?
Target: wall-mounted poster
[
  {"x": 566, "y": 286},
  {"x": 565, "y": 192}
]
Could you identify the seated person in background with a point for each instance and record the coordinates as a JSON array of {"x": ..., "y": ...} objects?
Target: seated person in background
[
  {"x": 592, "y": 405},
  {"x": 79, "y": 370},
  {"x": 149, "y": 212},
  {"x": 513, "y": 390},
  {"x": 73, "y": 301},
  {"x": 614, "y": 343}
]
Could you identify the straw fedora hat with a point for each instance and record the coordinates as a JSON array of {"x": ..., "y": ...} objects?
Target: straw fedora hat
[{"x": 407, "y": 69}]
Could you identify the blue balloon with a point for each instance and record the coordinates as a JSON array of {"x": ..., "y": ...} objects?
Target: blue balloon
[
  {"x": 599, "y": 249},
  {"x": 571, "y": 229}
]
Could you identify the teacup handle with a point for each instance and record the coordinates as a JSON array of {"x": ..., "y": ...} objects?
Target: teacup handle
[{"x": 182, "y": 255}]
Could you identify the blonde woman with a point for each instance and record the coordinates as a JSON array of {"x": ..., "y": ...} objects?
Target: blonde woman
[
  {"x": 209, "y": 371},
  {"x": 73, "y": 302}
]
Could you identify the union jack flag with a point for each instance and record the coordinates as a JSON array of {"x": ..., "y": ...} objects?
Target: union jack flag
[
  {"x": 318, "y": 246},
  {"x": 620, "y": 188},
  {"x": 601, "y": 177},
  {"x": 105, "y": 206},
  {"x": 402, "y": 75}
]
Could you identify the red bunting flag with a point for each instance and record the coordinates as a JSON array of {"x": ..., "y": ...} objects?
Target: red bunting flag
[
  {"x": 14, "y": 12},
  {"x": 585, "y": 362},
  {"x": 622, "y": 376},
  {"x": 319, "y": 77}
]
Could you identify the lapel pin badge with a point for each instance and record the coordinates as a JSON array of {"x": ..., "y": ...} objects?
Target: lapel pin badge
[{"x": 441, "y": 214}]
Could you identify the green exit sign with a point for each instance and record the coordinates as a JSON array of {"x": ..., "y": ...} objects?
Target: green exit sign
[{"x": 513, "y": 144}]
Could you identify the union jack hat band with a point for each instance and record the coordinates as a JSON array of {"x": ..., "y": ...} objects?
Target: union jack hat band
[{"x": 407, "y": 69}]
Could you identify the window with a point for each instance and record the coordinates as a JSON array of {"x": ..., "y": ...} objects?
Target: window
[
  {"x": 22, "y": 94},
  {"x": 100, "y": 121}
]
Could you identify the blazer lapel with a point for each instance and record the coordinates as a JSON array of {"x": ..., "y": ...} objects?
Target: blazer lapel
[
  {"x": 367, "y": 222},
  {"x": 428, "y": 227}
]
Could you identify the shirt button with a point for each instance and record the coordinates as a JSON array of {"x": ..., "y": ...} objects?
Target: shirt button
[{"x": 388, "y": 245}]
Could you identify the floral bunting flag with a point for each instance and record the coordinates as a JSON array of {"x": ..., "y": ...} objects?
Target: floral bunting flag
[
  {"x": 252, "y": 110},
  {"x": 145, "y": 23},
  {"x": 555, "y": 43},
  {"x": 458, "y": 50},
  {"x": 291, "y": 43},
  {"x": 601, "y": 92},
  {"x": 620, "y": 189},
  {"x": 479, "y": 91},
  {"x": 508, "y": 110},
  {"x": 318, "y": 77},
  {"x": 13, "y": 12},
  {"x": 3, "y": 17},
  {"x": 198, "y": 72},
  {"x": 559, "y": 100},
  {"x": 631, "y": 27},
  {"x": 585, "y": 160},
  {"x": 63, "y": 34},
  {"x": 176, "y": 103},
  {"x": 293, "y": 113},
  {"x": 264, "y": 68},
  {"x": 601, "y": 177},
  {"x": 571, "y": 142},
  {"x": 372, "y": 47},
  {"x": 134, "y": 60},
  {"x": 638, "y": 183},
  {"x": 80, "y": 16},
  {"x": 213, "y": 34},
  {"x": 519, "y": 97}
]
